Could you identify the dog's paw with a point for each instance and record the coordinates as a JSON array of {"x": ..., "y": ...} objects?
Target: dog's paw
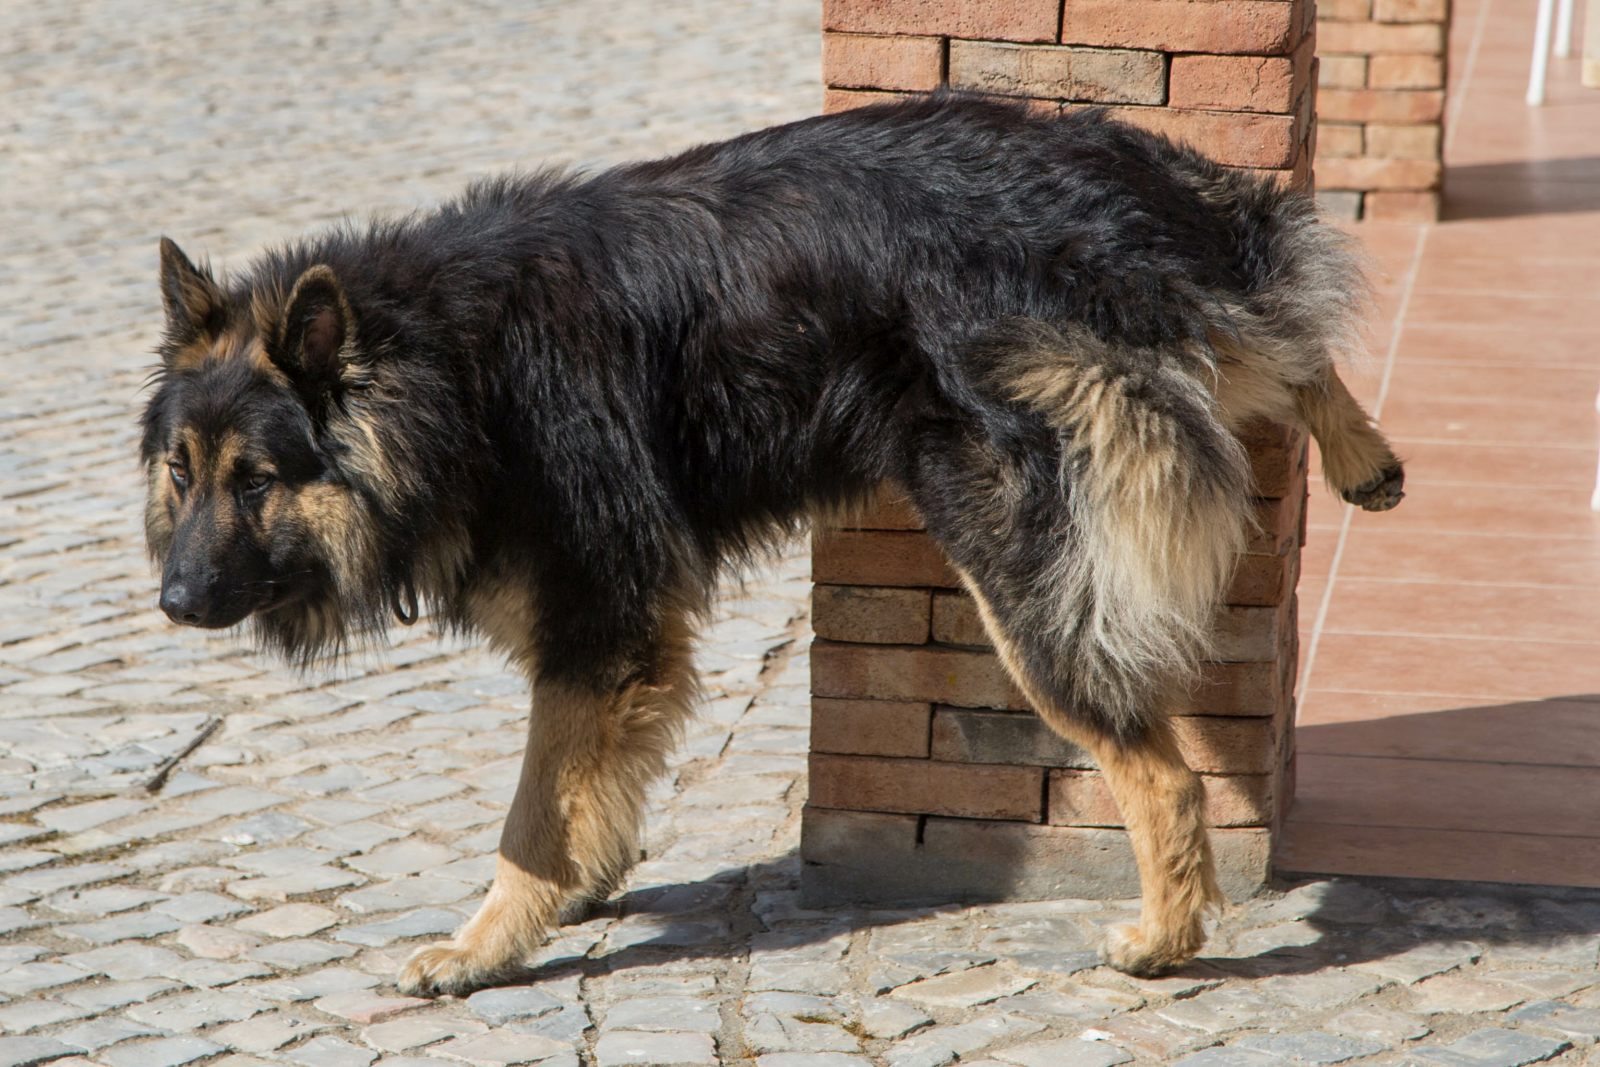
[
  {"x": 1130, "y": 951},
  {"x": 447, "y": 968},
  {"x": 1126, "y": 950},
  {"x": 1381, "y": 493}
]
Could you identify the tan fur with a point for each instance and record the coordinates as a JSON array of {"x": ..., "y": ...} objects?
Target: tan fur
[
  {"x": 1249, "y": 386},
  {"x": 1354, "y": 452},
  {"x": 575, "y": 821},
  {"x": 1159, "y": 537},
  {"x": 1162, "y": 803}
]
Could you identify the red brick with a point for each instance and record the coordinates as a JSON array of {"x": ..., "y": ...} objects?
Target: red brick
[
  {"x": 1401, "y": 207},
  {"x": 1082, "y": 798},
  {"x": 1368, "y": 173},
  {"x": 1240, "y": 83},
  {"x": 1376, "y": 38},
  {"x": 961, "y": 677},
  {"x": 878, "y": 557},
  {"x": 868, "y": 61},
  {"x": 1237, "y": 139},
  {"x": 1342, "y": 72},
  {"x": 970, "y": 735},
  {"x": 1228, "y": 744},
  {"x": 1420, "y": 141},
  {"x": 837, "y": 100},
  {"x": 1380, "y": 105},
  {"x": 926, "y": 787},
  {"x": 886, "y": 509},
  {"x": 1295, "y": 177},
  {"x": 1340, "y": 139},
  {"x": 1248, "y": 635},
  {"x": 1248, "y": 690},
  {"x": 1262, "y": 27},
  {"x": 871, "y": 727},
  {"x": 1343, "y": 10},
  {"x": 1100, "y": 75},
  {"x": 871, "y": 614},
  {"x": 1277, "y": 522},
  {"x": 1411, "y": 10},
  {"x": 995, "y": 20},
  {"x": 956, "y": 622},
  {"x": 1406, "y": 72},
  {"x": 1277, "y": 455},
  {"x": 1261, "y": 580}
]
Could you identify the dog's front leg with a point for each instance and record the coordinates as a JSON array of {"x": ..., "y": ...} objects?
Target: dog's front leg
[{"x": 574, "y": 821}]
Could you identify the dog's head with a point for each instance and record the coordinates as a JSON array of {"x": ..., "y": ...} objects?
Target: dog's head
[{"x": 248, "y": 510}]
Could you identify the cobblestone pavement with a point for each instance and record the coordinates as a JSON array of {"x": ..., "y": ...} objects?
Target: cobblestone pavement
[{"x": 256, "y": 907}]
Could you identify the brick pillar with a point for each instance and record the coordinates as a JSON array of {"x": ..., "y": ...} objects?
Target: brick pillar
[
  {"x": 1381, "y": 107},
  {"x": 929, "y": 778}
]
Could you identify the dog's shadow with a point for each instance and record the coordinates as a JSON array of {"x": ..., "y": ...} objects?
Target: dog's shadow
[{"x": 1401, "y": 929}]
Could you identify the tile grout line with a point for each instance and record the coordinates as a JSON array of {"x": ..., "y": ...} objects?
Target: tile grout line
[
  {"x": 1395, "y": 332},
  {"x": 1458, "y": 103}
]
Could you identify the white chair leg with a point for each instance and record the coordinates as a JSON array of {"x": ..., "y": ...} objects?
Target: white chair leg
[
  {"x": 1563, "y": 47},
  {"x": 1594, "y": 501},
  {"x": 1541, "y": 52}
]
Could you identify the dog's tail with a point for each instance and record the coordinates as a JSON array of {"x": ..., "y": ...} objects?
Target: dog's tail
[{"x": 1158, "y": 491}]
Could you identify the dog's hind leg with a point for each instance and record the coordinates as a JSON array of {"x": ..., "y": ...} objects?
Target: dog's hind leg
[
  {"x": 1357, "y": 462},
  {"x": 1162, "y": 804},
  {"x": 574, "y": 825},
  {"x": 1096, "y": 531}
]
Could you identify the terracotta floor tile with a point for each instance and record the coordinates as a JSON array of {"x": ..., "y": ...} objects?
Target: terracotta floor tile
[
  {"x": 1434, "y": 727},
  {"x": 1554, "y": 314},
  {"x": 1515, "y": 670},
  {"x": 1510, "y": 272},
  {"x": 1494, "y": 552},
  {"x": 1509, "y": 382},
  {"x": 1390, "y": 248},
  {"x": 1502, "y": 340},
  {"x": 1449, "y": 855},
  {"x": 1500, "y": 464},
  {"x": 1518, "y": 240},
  {"x": 1492, "y": 510},
  {"x": 1467, "y": 557},
  {"x": 1430, "y": 794},
  {"x": 1471, "y": 196},
  {"x": 1433, "y": 609},
  {"x": 1569, "y": 422}
]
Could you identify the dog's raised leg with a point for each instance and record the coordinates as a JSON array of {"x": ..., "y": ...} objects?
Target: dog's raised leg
[
  {"x": 1357, "y": 462},
  {"x": 574, "y": 822}
]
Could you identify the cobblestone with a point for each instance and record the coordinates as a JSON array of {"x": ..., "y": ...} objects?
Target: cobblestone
[{"x": 257, "y": 907}]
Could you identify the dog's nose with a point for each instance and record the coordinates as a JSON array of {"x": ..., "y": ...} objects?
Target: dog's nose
[{"x": 182, "y": 604}]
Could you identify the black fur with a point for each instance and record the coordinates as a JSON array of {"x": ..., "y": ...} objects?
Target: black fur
[{"x": 617, "y": 384}]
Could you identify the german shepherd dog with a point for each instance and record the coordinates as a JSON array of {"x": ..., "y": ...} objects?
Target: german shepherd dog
[{"x": 554, "y": 410}]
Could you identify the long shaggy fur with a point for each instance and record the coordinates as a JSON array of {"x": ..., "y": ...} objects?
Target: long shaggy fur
[{"x": 556, "y": 408}]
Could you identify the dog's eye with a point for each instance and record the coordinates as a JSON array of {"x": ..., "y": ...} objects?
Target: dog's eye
[
  {"x": 258, "y": 482},
  {"x": 180, "y": 474}
]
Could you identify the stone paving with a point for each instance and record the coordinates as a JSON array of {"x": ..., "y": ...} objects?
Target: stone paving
[{"x": 255, "y": 908}]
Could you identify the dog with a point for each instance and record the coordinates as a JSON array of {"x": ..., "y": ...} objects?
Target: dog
[{"x": 555, "y": 410}]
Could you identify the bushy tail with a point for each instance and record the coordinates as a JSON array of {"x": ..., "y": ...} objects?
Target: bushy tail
[{"x": 1158, "y": 490}]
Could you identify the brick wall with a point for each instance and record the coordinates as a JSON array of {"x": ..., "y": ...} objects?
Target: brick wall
[
  {"x": 1380, "y": 109},
  {"x": 929, "y": 777}
]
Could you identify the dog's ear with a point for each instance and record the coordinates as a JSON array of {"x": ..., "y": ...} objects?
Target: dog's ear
[
  {"x": 316, "y": 336},
  {"x": 194, "y": 303}
]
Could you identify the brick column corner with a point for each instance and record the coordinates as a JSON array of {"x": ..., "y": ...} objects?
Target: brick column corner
[
  {"x": 929, "y": 777},
  {"x": 1380, "y": 109}
]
